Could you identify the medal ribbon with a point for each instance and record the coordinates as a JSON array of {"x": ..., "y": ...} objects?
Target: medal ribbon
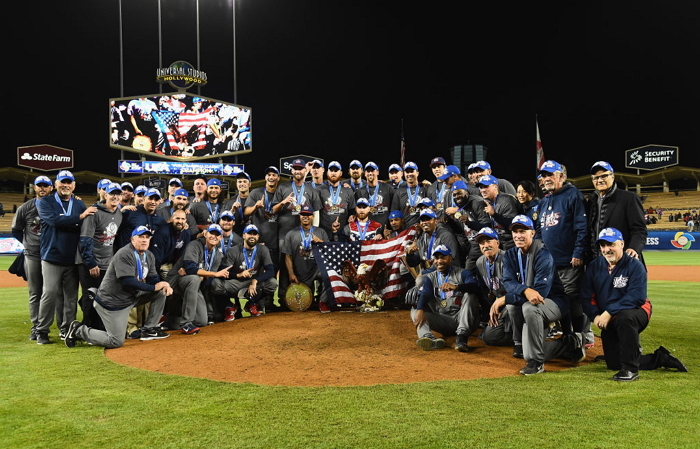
[
  {"x": 60, "y": 203},
  {"x": 210, "y": 258},
  {"x": 306, "y": 240},
  {"x": 412, "y": 197},
  {"x": 362, "y": 229},
  {"x": 441, "y": 281},
  {"x": 429, "y": 254},
  {"x": 523, "y": 266},
  {"x": 140, "y": 265},
  {"x": 373, "y": 197},
  {"x": 249, "y": 262},
  {"x": 298, "y": 194},
  {"x": 335, "y": 195},
  {"x": 215, "y": 214}
]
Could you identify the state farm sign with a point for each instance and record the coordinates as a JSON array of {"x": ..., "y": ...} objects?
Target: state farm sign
[{"x": 44, "y": 157}]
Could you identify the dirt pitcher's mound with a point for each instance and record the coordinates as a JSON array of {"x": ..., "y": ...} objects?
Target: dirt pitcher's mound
[{"x": 314, "y": 349}]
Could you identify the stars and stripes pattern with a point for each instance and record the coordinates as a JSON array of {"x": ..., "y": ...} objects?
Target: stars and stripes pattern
[
  {"x": 166, "y": 121},
  {"x": 538, "y": 145},
  {"x": 197, "y": 120}
]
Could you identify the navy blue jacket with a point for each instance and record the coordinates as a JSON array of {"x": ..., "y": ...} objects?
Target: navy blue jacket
[
  {"x": 60, "y": 232},
  {"x": 564, "y": 225}
]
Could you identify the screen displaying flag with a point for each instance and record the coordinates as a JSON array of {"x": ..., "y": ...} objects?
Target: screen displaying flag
[{"x": 330, "y": 256}]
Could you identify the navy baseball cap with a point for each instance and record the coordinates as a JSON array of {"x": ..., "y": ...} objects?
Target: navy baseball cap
[
  {"x": 113, "y": 187},
  {"x": 426, "y": 202},
  {"x": 153, "y": 192},
  {"x": 41, "y": 179},
  {"x": 227, "y": 214},
  {"x": 459, "y": 185},
  {"x": 243, "y": 175},
  {"x": 355, "y": 163},
  {"x": 487, "y": 180},
  {"x": 140, "y": 230},
  {"x": 306, "y": 209},
  {"x": 371, "y": 165},
  {"x": 335, "y": 164},
  {"x": 523, "y": 221},
  {"x": 213, "y": 182},
  {"x": 181, "y": 192},
  {"x": 442, "y": 249},
  {"x": 394, "y": 167},
  {"x": 272, "y": 169},
  {"x": 298, "y": 163},
  {"x": 610, "y": 235},
  {"x": 364, "y": 201},
  {"x": 410, "y": 164},
  {"x": 127, "y": 184},
  {"x": 602, "y": 165},
  {"x": 437, "y": 161},
  {"x": 481, "y": 165},
  {"x": 317, "y": 162},
  {"x": 215, "y": 228},
  {"x": 140, "y": 190},
  {"x": 395, "y": 214},
  {"x": 551, "y": 167},
  {"x": 64, "y": 174},
  {"x": 250, "y": 229},
  {"x": 486, "y": 233},
  {"x": 175, "y": 181},
  {"x": 426, "y": 212},
  {"x": 449, "y": 171}
]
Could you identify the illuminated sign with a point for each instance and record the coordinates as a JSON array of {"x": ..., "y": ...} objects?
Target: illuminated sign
[
  {"x": 44, "y": 157},
  {"x": 180, "y": 168},
  {"x": 651, "y": 157},
  {"x": 181, "y": 75}
]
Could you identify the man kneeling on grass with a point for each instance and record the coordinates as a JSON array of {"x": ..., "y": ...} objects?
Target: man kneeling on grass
[{"x": 131, "y": 280}]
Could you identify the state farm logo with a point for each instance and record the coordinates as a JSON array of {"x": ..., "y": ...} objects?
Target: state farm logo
[{"x": 45, "y": 157}]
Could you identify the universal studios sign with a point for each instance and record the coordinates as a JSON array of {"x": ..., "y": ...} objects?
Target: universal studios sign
[
  {"x": 651, "y": 157},
  {"x": 181, "y": 75}
]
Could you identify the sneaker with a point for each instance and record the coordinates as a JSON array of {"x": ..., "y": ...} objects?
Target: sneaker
[
  {"x": 71, "y": 338},
  {"x": 190, "y": 329},
  {"x": 135, "y": 335},
  {"x": 429, "y": 343},
  {"x": 578, "y": 354},
  {"x": 625, "y": 376},
  {"x": 153, "y": 333},
  {"x": 554, "y": 331},
  {"x": 589, "y": 345},
  {"x": 666, "y": 360},
  {"x": 254, "y": 311},
  {"x": 62, "y": 334},
  {"x": 323, "y": 307},
  {"x": 461, "y": 343},
  {"x": 32, "y": 335},
  {"x": 532, "y": 368},
  {"x": 518, "y": 351},
  {"x": 230, "y": 313},
  {"x": 42, "y": 338}
]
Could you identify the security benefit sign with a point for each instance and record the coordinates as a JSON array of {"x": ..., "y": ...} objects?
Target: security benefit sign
[
  {"x": 651, "y": 157},
  {"x": 44, "y": 157}
]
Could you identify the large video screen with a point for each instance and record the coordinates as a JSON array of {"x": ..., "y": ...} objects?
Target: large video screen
[{"x": 179, "y": 126}]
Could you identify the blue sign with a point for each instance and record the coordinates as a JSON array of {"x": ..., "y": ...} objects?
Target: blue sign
[{"x": 677, "y": 240}]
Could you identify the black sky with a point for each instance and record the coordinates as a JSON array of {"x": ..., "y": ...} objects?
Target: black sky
[{"x": 334, "y": 79}]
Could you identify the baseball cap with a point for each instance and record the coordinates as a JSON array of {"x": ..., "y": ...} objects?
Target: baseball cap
[
  {"x": 602, "y": 165},
  {"x": 201, "y": 176},
  {"x": 442, "y": 249},
  {"x": 437, "y": 161},
  {"x": 103, "y": 183},
  {"x": 393, "y": 167},
  {"x": 140, "y": 230},
  {"x": 140, "y": 190},
  {"x": 64, "y": 174},
  {"x": 486, "y": 233},
  {"x": 298, "y": 163},
  {"x": 176, "y": 181},
  {"x": 181, "y": 192},
  {"x": 127, "y": 184},
  {"x": 371, "y": 165},
  {"x": 215, "y": 228},
  {"x": 395, "y": 214},
  {"x": 481, "y": 165},
  {"x": 459, "y": 185},
  {"x": 335, "y": 164},
  {"x": 410, "y": 164},
  {"x": 272, "y": 169},
  {"x": 251, "y": 228},
  {"x": 306, "y": 209},
  {"x": 470, "y": 168},
  {"x": 213, "y": 182},
  {"x": 243, "y": 175},
  {"x": 41, "y": 179},
  {"x": 227, "y": 213},
  {"x": 317, "y": 162},
  {"x": 364, "y": 201},
  {"x": 522, "y": 220},
  {"x": 426, "y": 202},
  {"x": 355, "y": 163},
  {"x": 487, "y": 180},
  {"x": 153, "y": 192},
  {"x": 551, "y": 167},
  {"x": 449, "y": 171},
  {"x": 427, "y": 213},
  {"x": 113, "y": 187},
  {"x": 610, "y": 235}
]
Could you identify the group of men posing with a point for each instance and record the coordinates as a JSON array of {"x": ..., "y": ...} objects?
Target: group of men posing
[{"x": 486, "y": 254}]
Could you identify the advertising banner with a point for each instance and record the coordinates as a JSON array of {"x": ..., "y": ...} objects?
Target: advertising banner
[{"x": 675, "y": 240}]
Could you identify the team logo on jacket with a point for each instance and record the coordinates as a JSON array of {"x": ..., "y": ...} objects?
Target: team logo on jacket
[
  {"x": 549, "y": 220},
  {"x": 620, "y": 282}
]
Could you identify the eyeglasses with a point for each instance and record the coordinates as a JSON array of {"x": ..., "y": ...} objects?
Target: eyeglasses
[{"x": 601, "y": 177}]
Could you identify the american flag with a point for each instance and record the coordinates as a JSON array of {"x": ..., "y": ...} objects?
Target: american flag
[
  {"x": 538, "y": 145},
  {"x": 198, "y": 120},
  {"x": 167, "y": 121},
  {"x": 330, "y": 255}
]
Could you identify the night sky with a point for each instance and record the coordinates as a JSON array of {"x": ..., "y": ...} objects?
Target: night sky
[{"x": 335, "y": 79}]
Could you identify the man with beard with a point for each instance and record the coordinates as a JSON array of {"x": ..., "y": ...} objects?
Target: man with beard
[
  {"x": 180, "y": 201},
  {"x": 96, "y": 249},
  {"x": 465, "y": 216},
  {"x": 407, "y": 197},
  {"x": 139, "y": 197},
  {"x": 378, "y": 194},
  {"x": 169, "y": 241},
  {"x": 26, "y": 228},
  {"x": 500, "y": 207},
  {"x": 535, "y": 297},
  {"x": 419, "y": 253},
  {"x": 355, "y": 181},
  {"x": 362, "y": 228},
  {"x": 615, "y": 299},
  {"x": 252, "y": 269},
  {"x": 207, "y": 211},
  {"x": 191, "y": 278},
  {"x": 337, "y": 200},
  {"x": 127, "y": 194},
  {"x": 131, "y": 280},
  {"x": 61, "y": 215},
  {"x": 443, "y": 306},
  {"x": 237, "y": 203},
  {"x": 259, "y": 206}
]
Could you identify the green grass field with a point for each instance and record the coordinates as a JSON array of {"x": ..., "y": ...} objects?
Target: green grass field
[{"x": 53, "y": 396}]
